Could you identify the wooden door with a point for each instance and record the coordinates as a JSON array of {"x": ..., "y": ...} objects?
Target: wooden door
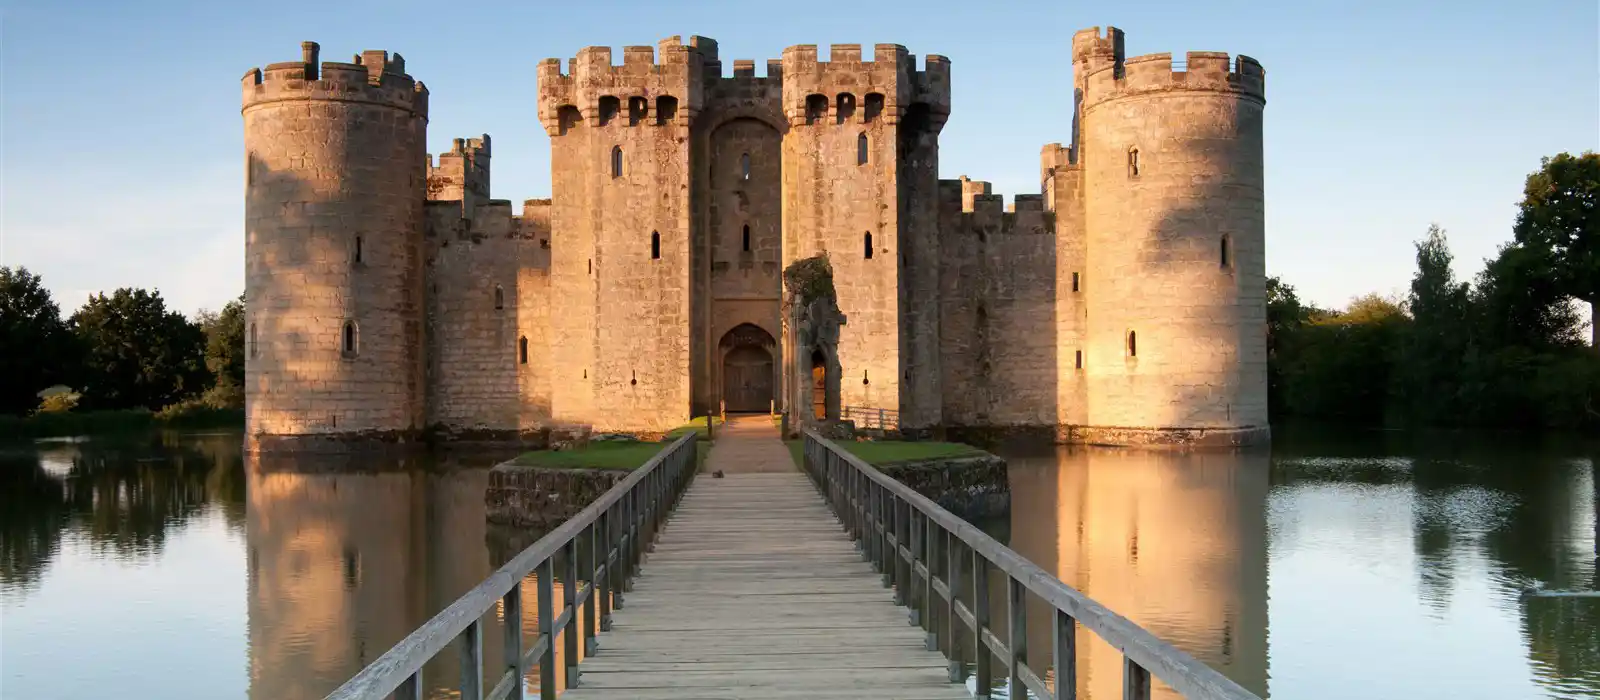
[{"x": 747, "y": 380}]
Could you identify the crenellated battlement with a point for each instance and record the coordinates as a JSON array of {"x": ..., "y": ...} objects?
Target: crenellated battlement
[
  {"x": 1200, "y": 71},
  {"x": 373, "y": 77},
  {"x": 643, "y": 91},
  {"x": 462, "y": 172},
  {"x": 967, "y": 206},
  {"x": 848, "y": 89}
]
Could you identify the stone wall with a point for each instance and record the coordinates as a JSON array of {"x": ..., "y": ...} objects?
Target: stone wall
[
  {"x": 544, "y": 498},
  {"x": 333, "y": 223},
  {"x": 997, "y": 308}
]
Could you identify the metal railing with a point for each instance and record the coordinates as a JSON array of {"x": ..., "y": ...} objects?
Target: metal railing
[
  {"x": 930, "y": 557},
  {"x": 612, "y": 527},
  {"x": 868, "y": 418}
]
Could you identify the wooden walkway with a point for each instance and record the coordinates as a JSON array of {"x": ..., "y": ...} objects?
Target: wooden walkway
[{"x": 754, "y": 590}]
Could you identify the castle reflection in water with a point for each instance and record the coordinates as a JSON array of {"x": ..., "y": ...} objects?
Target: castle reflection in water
[{"x": 343, "y": 565}]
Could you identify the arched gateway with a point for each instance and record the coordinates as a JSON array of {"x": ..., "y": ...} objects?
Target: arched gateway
[{"x": 749, "y": 373}]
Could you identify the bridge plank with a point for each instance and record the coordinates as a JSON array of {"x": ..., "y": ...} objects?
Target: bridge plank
[{"x": 754, "y": 592}]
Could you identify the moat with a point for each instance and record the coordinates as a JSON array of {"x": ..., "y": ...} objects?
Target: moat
[{"x": 184, "y": 568}]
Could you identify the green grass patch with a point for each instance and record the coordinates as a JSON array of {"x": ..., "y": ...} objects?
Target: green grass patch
[
  {"x": 626, "y": 455},
  {"x": 877, "y": 452},
  {"x": 74, "y": 423},
  {"x": 696, "y": 426}
]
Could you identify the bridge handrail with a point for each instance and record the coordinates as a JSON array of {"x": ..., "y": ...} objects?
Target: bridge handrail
[
  {"x": 866, "y": 416},
  {"x": 615, "y": 521},
  {"x": 864, "y": 499}
]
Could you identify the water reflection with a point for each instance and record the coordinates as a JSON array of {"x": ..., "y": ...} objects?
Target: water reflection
[{"x": 1175, "y": 542}]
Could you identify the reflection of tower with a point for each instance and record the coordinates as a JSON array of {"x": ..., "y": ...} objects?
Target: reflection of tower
[
  {"x": 1174, "y": 542},
  {"x": 332, "y": 576}
]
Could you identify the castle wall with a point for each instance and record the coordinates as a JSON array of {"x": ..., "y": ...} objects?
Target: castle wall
[
  {"x": 997, "y": 309},
  {"x": 333, "y": 218},
  {"x": 920, "y": 256},
  {"x": 488, "y": 291},
  {"x": 1063, "y": 195},
  {"x": 1156, "y": 235},
  {"x": 832, "y": 203}
]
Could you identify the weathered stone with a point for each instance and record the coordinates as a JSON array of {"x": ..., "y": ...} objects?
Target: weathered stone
[
  {"x": 973, "y": 486},
  {"x": 543, "y": 498}
]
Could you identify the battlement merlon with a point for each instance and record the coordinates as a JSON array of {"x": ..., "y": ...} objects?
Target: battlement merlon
[
  {"x": 679, "y": 74},
  {"x": 1092, "y": 48},
  {"x": 461, "y": 171},
  {"x": 1200, "y": 71},
  {"x": 891, "y": 73},
  {"x": 373, "y": 77}
]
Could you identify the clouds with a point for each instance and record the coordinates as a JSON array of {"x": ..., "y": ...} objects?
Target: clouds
[{"x": 177, "y": 230}]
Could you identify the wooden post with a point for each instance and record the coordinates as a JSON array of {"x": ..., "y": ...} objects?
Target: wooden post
[
  {"x": 1066, "y": 656},
  {"x": 981, "y": 656},
  {"x": 1135, "y": 681},
  {"x": 472, "y": 661},
  {"x": 1017, "y": 605},
  {"x": 952, "y": 556},
  {"x": 512, "y": 603},
  {"x": 570, "y": 605},
  {"x": 547, "y": 632}
]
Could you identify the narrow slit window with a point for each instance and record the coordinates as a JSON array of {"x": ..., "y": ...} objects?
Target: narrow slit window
[
  {"x": 747, "y": 238},
  {"x": 616, "y": 161},
  {"x": 655, "y": 245},
  {"x": 255, "y": 349},
  {"x": 1226, "y": 259},
  {"x": 349, "y": 338},
  {"x": 357, "y": 255},
  {"x": 1133, "y": 162},
  {"x": 744, "y": 166},
  {"x": 522, "y": 350},
  {"x": 861, "y": 149},
  {"x": 499, "y": 298},
  {"x": 1074, "y": 281},
  {"x": 867, "y": 241},
  {"x": 1078, "y": 360},
  {"x": 1133, "y": 344}
]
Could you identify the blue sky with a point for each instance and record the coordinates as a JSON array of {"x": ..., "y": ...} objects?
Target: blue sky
[{"x": 122, "y": 141}]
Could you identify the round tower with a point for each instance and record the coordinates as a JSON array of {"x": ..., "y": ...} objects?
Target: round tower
[
  {"x": 334, "y": 190},
  {"x": 1172, "y": 154}
]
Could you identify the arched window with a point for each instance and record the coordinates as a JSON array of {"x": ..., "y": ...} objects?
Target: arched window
[
  {"x": 1133, "y": 162},
  {"x": 609, "y": 107},
  {"x": 666, "y": 109},
  {"x": 747, "y": 238},
  {"x": 1226, "y": 258},
  {"x": 522, "y": 350},
  {"x": 846, "y": 107},
  {"x": 349, "y": 343},
  {"x": 744, "y": 166},
  {"x": 1133, "y": 344},
  {"x": 255, "y": 350},
  {"x": 867, "y": 240},
  {"x": 874, "y": 106},
  {"x": 637, "y": 107},
  {"x": 655, "y": 245},
  {"x": 861, "y": 149},
  {"x": 569, "y": 118},
  {"x": 499, "y": 298},
  {"x": 356, "y": 256},
  {"x": 816, "y": 108},
  {"x": 616, "y": 161}
]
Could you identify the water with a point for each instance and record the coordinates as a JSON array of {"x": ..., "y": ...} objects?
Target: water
[{"x": 172, "y": 567}]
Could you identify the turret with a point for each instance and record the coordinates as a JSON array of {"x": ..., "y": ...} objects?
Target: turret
[
  {"x": 1175, "y": 275},
  {"x": 334, "y": 191}
]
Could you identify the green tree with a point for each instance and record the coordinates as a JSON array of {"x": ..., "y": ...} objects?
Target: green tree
[
  {"x": 1559, "y": 220},
  {"x": 1516, "y": 301},
  {"x": 1438, "y": 337},
  {"x": 1342, "y": 362},
  {"x": 137, "y": 353},
  {"x": 225, "y": 342},
  {"x": 37, "y": 350}
]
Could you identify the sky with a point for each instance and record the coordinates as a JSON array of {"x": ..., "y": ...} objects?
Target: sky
[{"x": 121, "y": 144}]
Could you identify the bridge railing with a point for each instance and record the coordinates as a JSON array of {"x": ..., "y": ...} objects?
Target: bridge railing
[
  {"x": 930, "y": 557},
  {"x": 611, "y": 531}
]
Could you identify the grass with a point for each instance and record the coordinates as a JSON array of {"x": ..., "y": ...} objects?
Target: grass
[
  {"x": 624, "y": 455},
  {"x": 879, "y": 452},
  {"x": 67, "y": 424}
]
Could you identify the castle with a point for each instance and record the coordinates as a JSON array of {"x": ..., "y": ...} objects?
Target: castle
[{"x": 389, "y": 294}]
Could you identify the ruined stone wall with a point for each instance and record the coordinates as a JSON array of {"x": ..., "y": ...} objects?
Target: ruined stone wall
[
  {"x": 997, "y": 309},
  {"x": 1063, "y": 195},
  {"x": 1173, "y": 207},
  {"x": 622, "y": 187},
  {"x": 334, "y": 194}
]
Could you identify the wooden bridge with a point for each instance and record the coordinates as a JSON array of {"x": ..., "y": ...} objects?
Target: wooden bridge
[{"x": 770, "y": 582}]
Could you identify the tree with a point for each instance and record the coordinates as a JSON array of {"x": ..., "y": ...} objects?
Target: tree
[
  {"x": 225, "y": 342},
  {"x": 1518, "y": 302},
  {"x": 37, "y": 350},
  {"x": 137, "y": 353},
  {"x": 1439, "y": 335},
  {"x": 1559, "y": 220}
]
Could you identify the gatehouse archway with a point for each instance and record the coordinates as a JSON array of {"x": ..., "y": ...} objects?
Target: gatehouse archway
[{"x": 748, "y": 370}]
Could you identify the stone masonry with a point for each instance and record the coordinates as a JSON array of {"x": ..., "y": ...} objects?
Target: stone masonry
[{"x": 390, "y": 296}]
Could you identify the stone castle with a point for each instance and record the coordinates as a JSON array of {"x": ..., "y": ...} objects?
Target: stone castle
[{"x": 389, "y": 294}]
